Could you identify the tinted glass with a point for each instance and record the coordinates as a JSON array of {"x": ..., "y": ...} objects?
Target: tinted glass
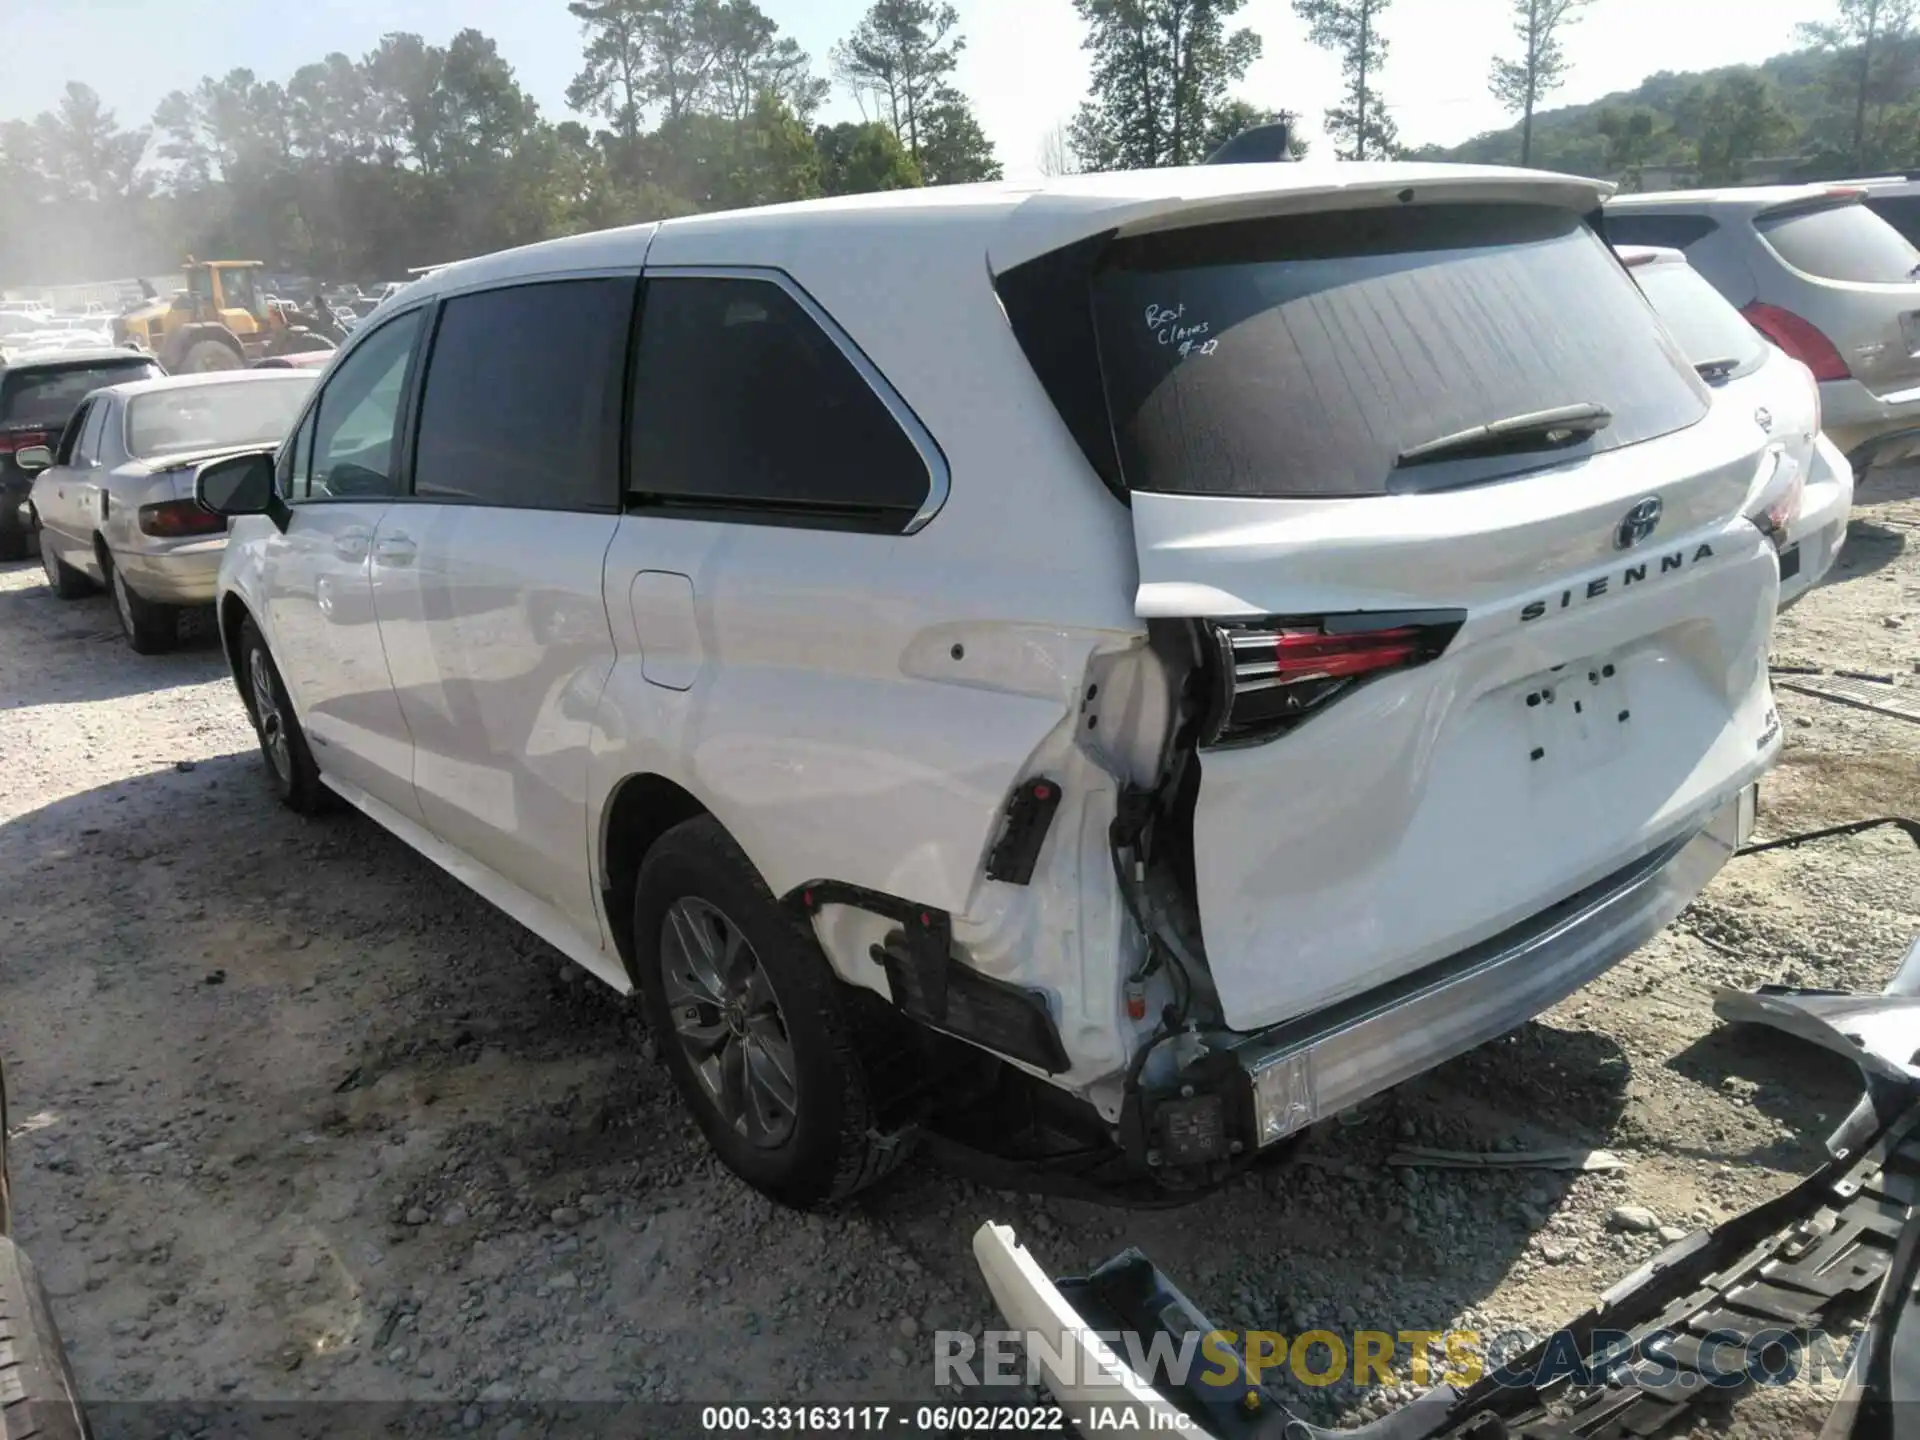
[
  {"x": 1710, "y": 331},
  {"x": 522, "y": 397},
  {"x": 359, "y": 419},
  {"x": 742, "y": 402},
  {"x": 1675, "y": 232},
  {"x": 205, "y": 417},
  {"x": 1900, "y": 211},
  {"x": 1302, "y": 355},
  {"x": 70, "y": 437},
  {"x": 1842, "y": 242},
  {"x": 50, "y": 396}
]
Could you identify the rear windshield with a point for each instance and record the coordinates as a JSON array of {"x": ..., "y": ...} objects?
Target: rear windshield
[
  {"x": 1902, "y": 212},
  {"x": 1714, "y": 336},
  {"x": 1842, "y": 242},
  {"x": 1302, "y": 355},
  {"x": 50, "y": 396},
  {"x": 205, "y": 417}
]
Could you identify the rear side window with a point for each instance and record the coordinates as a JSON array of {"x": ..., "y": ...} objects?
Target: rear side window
[
  {"x": 1714, "y": 336},
  {"x": 49, "y": 396},
  {"x": 522, "y": 399},
  {"x": 1845, "y": 242},
  {"x": 70, "y": 437},
  {"x": 1304, "y": 355},
  {"x": 744, "y": 406},
  {"x": 1902, "y": 212},
  {"x": 1673, "y": 232}
]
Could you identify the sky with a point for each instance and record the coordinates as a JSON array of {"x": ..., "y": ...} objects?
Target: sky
[{"x": 1023, "y": 66}]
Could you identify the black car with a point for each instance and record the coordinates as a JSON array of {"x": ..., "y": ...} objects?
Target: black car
[{"x": 38, "y": 394}]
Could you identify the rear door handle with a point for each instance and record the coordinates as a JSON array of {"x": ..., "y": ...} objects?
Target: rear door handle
[{"x": 395, "y": 550}]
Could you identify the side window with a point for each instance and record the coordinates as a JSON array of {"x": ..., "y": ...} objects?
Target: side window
[
  {"x": 521, "y": 405},
  {"x": 88, "y": 450},
  {"x": 1675, "y": 232},
  {"x": 296, "y": 461},
  {"x": 744, "y": 406},
  {"x": 70, "y": 437},
  {"x": 358, "y": 419}
]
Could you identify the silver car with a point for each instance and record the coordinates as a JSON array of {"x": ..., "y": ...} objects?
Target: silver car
[
  {"x": 113, "y": 502},
  {"x": 1803, "y": 492},
  {"x": 1823, "y": 277}
]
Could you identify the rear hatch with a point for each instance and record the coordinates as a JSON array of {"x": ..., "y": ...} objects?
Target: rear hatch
[
  {"x": 1447, "y": 674},
  {"x": 37, "y": 399},
  {"x": 1855, "y": 279}
]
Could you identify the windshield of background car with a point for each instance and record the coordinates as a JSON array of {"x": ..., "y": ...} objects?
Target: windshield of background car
[
  {"x": 50, "y": 396},
  {"x": 1708, "y": 328},
  {"x": 1844, "y": 241},
  {"x": 1300, "y": 355},
  {"x": 206, "y": 417}
]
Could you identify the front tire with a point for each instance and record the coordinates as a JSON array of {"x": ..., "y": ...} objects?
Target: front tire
[
  {"x": 203, "y": 357},
  {"x": 283, "y": 744},
  {"x": 150, "y": 628},
  {"x": 743, "y": 1010}
]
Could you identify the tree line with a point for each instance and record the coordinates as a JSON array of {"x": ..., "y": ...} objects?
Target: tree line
[{"x": 415, "y": 153}]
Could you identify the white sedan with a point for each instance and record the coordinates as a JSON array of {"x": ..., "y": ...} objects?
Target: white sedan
[{"x": 114, "y": 500}]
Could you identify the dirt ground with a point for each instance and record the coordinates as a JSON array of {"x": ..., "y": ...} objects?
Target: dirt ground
[{"x": 302, "y": 1119}]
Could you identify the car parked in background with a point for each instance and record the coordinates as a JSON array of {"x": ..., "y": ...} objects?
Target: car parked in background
[
  {"x": 1182, "y": 650},
  {"x": 39, "y": 391},
  {"x": 1823, "y": 277},
  {"x": 114, "y": 501},
  {"x": 1803, "y": 492}
]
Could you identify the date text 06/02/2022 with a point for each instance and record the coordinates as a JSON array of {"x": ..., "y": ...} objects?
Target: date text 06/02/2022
[{"x": 876, "y": 1419}]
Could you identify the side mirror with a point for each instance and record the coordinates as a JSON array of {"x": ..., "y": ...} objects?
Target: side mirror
[
  {"x": 33, "y": 458},
  {"x": 238, "y": 485}
]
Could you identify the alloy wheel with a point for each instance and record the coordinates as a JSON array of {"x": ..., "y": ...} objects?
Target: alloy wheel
[
  {"x": 728, "y": 1021},
  {"x": 266, "y": 710}
]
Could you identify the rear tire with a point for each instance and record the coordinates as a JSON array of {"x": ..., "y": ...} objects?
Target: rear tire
[
  {"x": 65, "y": 581},
  {"x": 283, "y": 744},
  {"x": 150, "y": 628},
  {"x": 203, "y": 357},
  {"x": 776, "y": 1003}
]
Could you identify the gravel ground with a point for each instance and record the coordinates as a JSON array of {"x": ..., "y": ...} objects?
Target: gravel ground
[{"x": 303, "y": 1119}]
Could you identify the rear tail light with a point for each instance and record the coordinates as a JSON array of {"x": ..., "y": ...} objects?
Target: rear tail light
[
  {"x": 175, "y": 519},
  {"x": 13, "y": 440},
  {"x": 1800, "y": 339},
  {"x": 1274, "y": 673}
]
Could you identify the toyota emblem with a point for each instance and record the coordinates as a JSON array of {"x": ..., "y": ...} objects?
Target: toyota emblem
[
  {"x": 1763, "y": 417},
  {"x": 1640, "y": 523}
]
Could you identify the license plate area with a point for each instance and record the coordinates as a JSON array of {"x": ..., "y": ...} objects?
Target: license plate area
[{"x": 1577, "y": 716}]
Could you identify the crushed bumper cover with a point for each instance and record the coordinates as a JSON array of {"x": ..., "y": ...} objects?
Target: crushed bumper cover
[
  {"x": 1641, "y": 1362},
  {"x": 1308, "y": 1070}
]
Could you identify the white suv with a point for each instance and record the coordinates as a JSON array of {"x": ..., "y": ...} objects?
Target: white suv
[{"x": 1194, "y": 648}]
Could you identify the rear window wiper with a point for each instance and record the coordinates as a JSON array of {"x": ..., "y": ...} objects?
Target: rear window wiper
[
  {"x": 1540, "y": 430},
  {"x": 1714, "y": 371}
]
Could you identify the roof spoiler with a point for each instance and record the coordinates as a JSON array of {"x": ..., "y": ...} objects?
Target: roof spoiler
[
  {"x": 1831, "y": 198},
  {"x": 1256, "y": 145}
]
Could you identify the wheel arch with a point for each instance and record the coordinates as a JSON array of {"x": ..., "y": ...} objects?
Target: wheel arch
[
  {"x": 232, "y": 613},
  {"x": 639, "y": 810}
]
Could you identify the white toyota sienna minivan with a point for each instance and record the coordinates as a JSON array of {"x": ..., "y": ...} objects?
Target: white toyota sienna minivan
[{"x": 1138, "y": 662}]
